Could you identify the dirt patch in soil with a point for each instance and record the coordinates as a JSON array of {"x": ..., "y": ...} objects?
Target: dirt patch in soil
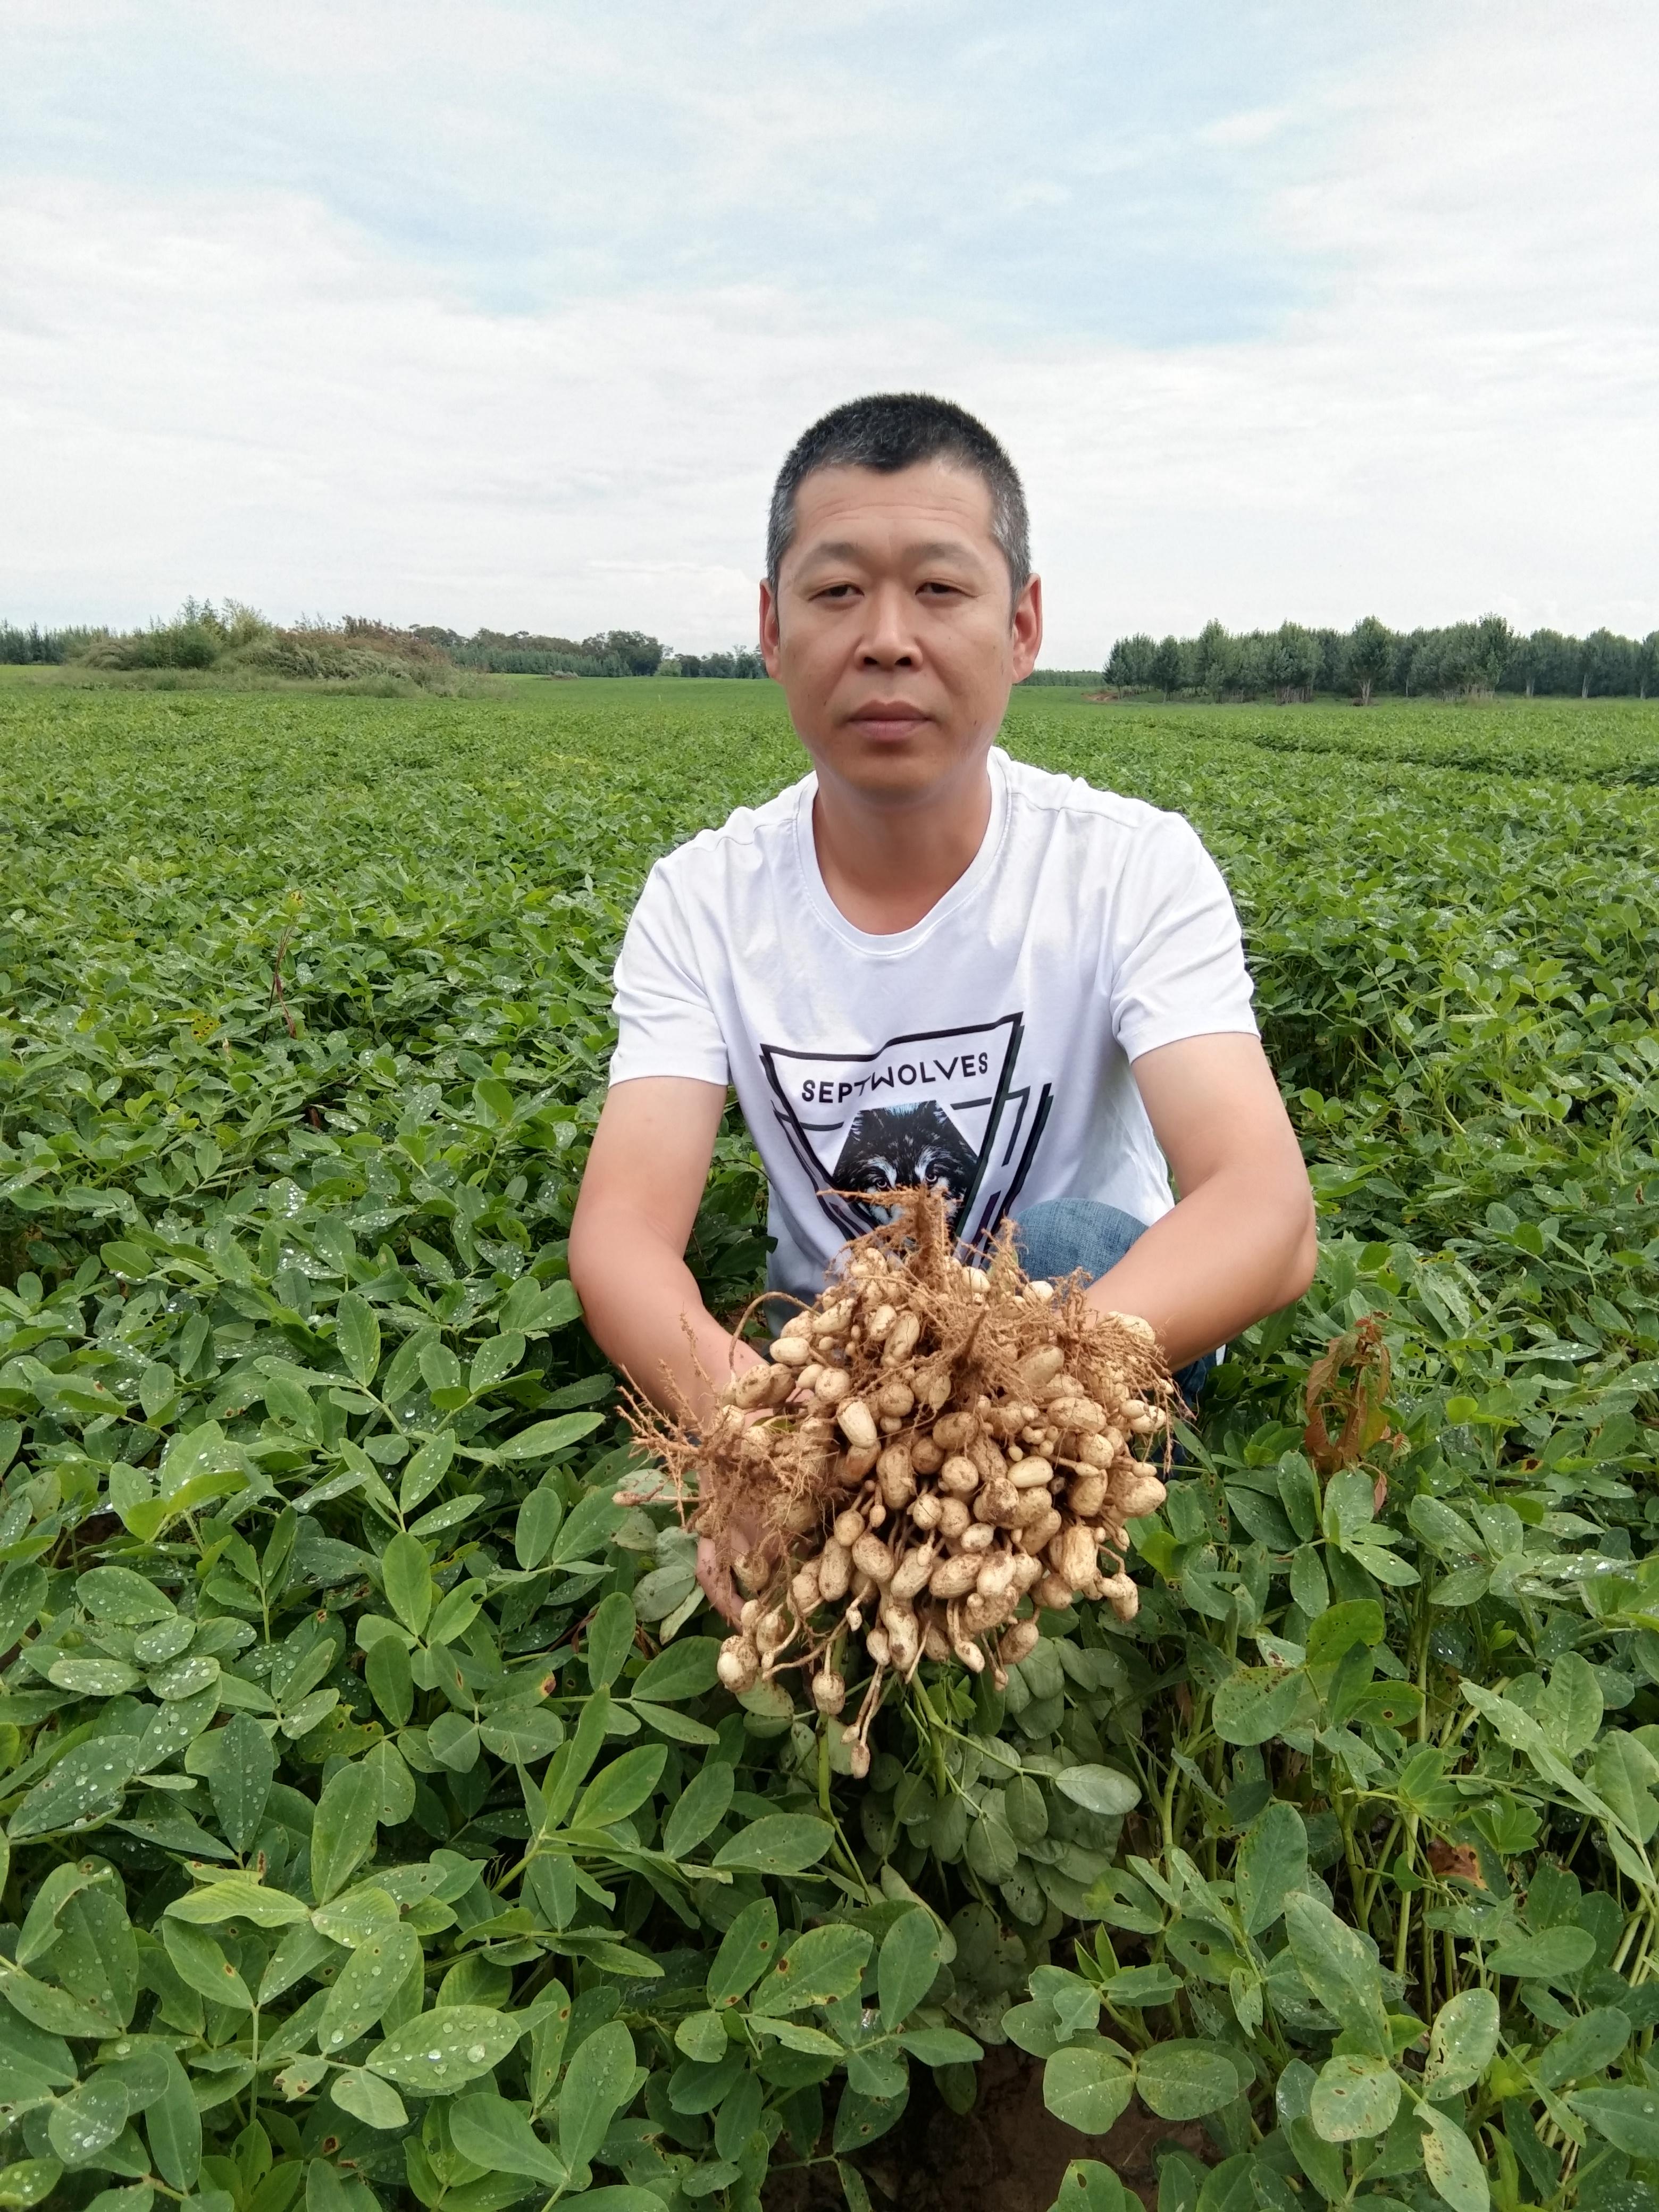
[{"x": 1008, "y": 2154}]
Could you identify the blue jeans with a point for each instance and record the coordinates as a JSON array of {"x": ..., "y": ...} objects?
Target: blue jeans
[{"x": 1060, "y": 1235}]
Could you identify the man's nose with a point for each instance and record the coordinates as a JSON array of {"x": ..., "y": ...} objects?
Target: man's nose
[{"x": 889, "y": 640}]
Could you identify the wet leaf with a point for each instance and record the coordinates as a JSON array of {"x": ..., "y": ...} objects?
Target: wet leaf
[{"x": 443, "y": 2050}]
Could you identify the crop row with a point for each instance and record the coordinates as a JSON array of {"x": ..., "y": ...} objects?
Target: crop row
[{"x": 375, "y": 1821}]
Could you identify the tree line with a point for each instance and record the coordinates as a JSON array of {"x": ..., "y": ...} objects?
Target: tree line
[
  {"x": 1290, "y": 663},
  {"x": 1463, "y": 659},
  {"x": 202, "y": 636},
  {"x": 522, "y": 653}
]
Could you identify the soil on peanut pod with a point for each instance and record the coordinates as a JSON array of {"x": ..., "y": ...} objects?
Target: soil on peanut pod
[{"x": 1008, "y": 2154}]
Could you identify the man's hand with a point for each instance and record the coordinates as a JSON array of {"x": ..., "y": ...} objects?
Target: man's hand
[
  {"x": 640, "y": 1196},
  {"x": 639, "y": 1200},
  {"x": 1241, "y": 1240},
  {"x": 718, "y": 1587}
]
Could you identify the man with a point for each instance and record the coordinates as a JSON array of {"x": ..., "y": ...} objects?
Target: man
[{"x": 926, "y": 962}]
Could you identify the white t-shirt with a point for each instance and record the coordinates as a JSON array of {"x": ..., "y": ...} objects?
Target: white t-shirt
[{"x": 989, "y": 1046}]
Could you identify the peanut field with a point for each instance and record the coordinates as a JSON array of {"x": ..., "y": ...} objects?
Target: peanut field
[{"x": 376, "y": 1830}]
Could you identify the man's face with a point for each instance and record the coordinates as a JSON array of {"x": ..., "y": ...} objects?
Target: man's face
[{"x": 891, "y": 630}]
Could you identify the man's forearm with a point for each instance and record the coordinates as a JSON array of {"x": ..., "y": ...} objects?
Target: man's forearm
[
  {"x": 1216, "y": 1262},
  {"x": 646, "y": 1314}
]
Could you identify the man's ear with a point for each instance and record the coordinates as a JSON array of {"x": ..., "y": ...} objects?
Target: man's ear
[
  {"x": 1027, "y": 627},
  {"x": 768, "y": 628}
]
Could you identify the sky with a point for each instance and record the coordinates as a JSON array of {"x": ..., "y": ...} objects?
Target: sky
[{"x": 477, "y": 312}]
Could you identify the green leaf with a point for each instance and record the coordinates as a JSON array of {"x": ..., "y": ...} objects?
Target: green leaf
[
  {"x": 1463, "y": 2043},
  {"x": 683, "y": 1669},
  {"x": 747, "y": 1949},
  {"x": 1272, "y": 1861},
  {"x": 573, "y": 1758},
  {"x": 326, "y": 2189},
  {"x": 53, "y": 2010},
  {"x": 496, "y": 1359},
  {"x": 1588, "y": 2047},
  {"x": 84, "y": 1787},
  {"x": 522, "y": 1734},
  {"x": 702, "y": 2036},
  {"x": 591, "y": 1524},
  {"x": 677, "y": 1726},
  {"x": 173, "y": 2125},
  {"x": 699, "y": 1810},
  {"x": 1100, "y": 1789},
  {"x": 823, "y": 1963},
  {"x": 1088, "y": 2085},
  {"x": 201, "y": 1964},
  {"x": 912, "y": 1952},
  {"x": 552, "y": 2026},
  {"x": 616, "y": 2196},
  {"x": 88, "y": 2119},
  {"x": 610, "y": 1639},
  {"x": 1255, "y": 1704},
  {"x": 1341, "y": 1968},
  {"x": 362, "y": 1912},
  {"x": 498, "y": 2137},
  {"x": 368, "y": 2099},
  {"x": 367, "y": 1984},
  {"x": 620, "y": 1788},
  {"x": 238, "y": 1897},
  {"x": 1088, "y": 2186},
  {"x": 32, "y": 2061},
  {"x": 794, "y": 2035},
  {"x": 94, "y": 1677},
  {"x": 456, "y": 1611},
  {"x": 1183, "y": 2079},
  {"x": 1140, "y": 1986},
  {"x": 538, "y": 1524},
  {"x": 453, "y": 1740},
  {"x": 118, "y": 1595},
  {"x": 23, "y": 1596},
  {"x": 778, "y": 1843},
  {"x": 27, "y": 2181},
  {"x": 546, "y": 1438},
  {"x": 596, "y": 2083},
  {"x": 862, "y": 2120},
  {"x": 297, "y": 1956},
  {"x": 406, "y": 1572},
  {"x": 1451, "y": 2164},
  {"x": 425, "y": 1470},
  {"x": 1555, "y": 1956},
  {"x": 1339, "y": 1629},
  {"x": 1354, "y": 2097},
  {"x": 441, "y": 2052},
  {"x": 1308, "y": 1588},
  {"x": 357, "y": 1333},
  {"x": 1570, "y": 1710},
  {"x": 343, "y": 1833},
  {"x": 1628, "y": 2115},
  {"x": 239, "y": 1778},
  {"x": 391, "y": 1684},
  {"x": 42, "y": 1925},
  {"x": 940, "y": 2047}
]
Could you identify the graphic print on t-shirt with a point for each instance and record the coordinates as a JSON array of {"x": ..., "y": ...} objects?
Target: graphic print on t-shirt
[{"x": 938, "y": 1106}]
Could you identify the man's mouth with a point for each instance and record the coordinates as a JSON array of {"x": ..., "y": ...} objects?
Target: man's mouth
[{"x": 888, "y": 718}]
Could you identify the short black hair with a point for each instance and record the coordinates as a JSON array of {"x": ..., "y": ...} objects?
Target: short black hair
[{"x": 892, "y": 430}]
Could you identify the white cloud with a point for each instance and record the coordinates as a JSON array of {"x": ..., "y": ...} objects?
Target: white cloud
[{"x": 264, "y": 383}]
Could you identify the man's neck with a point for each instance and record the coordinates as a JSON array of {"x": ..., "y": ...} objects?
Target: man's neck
[{"x": 885, "y": 865}]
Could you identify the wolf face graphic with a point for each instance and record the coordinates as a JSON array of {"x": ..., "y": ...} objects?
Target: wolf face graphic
[
  {"x": 887, "y": 1146},
  {"x": 933, "y": 1106}
]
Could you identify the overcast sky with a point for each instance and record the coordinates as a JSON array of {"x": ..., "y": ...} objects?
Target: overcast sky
[{"x": 477, "y": 312}]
